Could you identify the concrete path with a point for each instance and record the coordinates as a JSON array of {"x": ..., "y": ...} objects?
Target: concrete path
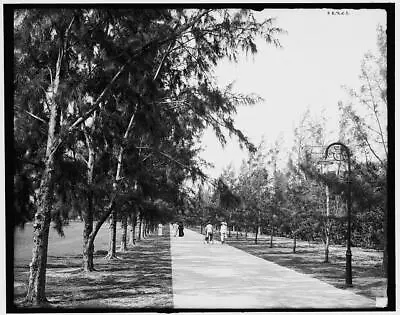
[{"x": 220, "y": 276}]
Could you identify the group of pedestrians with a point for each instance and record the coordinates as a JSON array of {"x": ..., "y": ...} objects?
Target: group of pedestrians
[
  {"x": 178, "y": 229},
  {"x": 209, "y": 231}
]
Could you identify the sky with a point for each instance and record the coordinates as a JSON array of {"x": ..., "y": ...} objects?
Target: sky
[{"x": 321, "y": 53}]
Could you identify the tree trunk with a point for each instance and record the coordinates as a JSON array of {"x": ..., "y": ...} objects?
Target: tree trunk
[
  {"x": 113, "y": 219},
  {"x": 88, "y": 250},
  {"x": 237, "y": 234},
  {"x": 112, "y": 247},
  {"x": 140, "y": 227},
  {"x": 124, "y": 223},
  {"x": 99, "y": 223},
  {"x": 143, "y": 229},
  {"x": 132, "y": 230},
  {"x": 255, "y": 240},
  {"x": 37, "y": 275},
  {"x": 326, "y": 260},
  {"x": 41, "y": 226},
  {"x": 327, "y": 227},
  {"x": 148, "y": 229},
  {"x": 272, "y": 237},
  {"x": 294, "y": 244}
]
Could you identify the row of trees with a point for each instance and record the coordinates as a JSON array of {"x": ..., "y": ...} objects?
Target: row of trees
[
  {"x": 300, "y": 200},
  {"x": 306, "y": 198},
  {"x": 109, "y": 105}
]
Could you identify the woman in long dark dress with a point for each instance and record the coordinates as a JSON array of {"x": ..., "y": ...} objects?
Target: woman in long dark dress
[{"x": 180, "y": 229}]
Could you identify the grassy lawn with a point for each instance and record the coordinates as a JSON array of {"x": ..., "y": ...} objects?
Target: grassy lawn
[
  {"x": 368, "y": 277},
  {"x": 140, "y": 278}
]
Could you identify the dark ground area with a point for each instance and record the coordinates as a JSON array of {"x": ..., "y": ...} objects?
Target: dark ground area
[{"x": 140, "y": 278}]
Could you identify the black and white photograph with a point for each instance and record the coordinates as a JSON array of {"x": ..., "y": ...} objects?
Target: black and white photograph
[{"x": 199, "y": 157}]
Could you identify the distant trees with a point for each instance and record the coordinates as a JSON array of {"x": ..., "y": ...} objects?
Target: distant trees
[
  {"x": 306, "y": 199},
  {"x": 254, "y": 186},
  {"x": 364, "y": 127},
  {"x": 365, "y": 115}
]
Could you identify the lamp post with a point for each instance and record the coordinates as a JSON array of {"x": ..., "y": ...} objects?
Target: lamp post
[{"x": 336, "y": 150}]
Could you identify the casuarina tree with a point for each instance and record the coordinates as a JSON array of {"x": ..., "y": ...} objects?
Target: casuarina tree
[{"x": 85, "y": 58}]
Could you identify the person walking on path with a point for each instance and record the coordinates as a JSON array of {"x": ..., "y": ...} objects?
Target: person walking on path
[
  {"x": 175, "y": 229},
  {"x": 160, "y": 226},
  {"x": 209, "y": 233},
  {"x": 223, "y": 231},
  {"x": 180, "y": 228}
]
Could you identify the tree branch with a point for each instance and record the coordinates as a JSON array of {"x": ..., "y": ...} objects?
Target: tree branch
[
  {"x": 121, "y": 149},
  {"x": 174, "y": 160},
  {"x": 169, "y": 49},
  {"x": 375, "y": 105},
  {"x": 148, "y": 155},
  {"x": 373, "y": 152},
  {"x": 136, "y": 53},
  {"x": 51, "y": 76},
  {"x": 36, "y": 117}
]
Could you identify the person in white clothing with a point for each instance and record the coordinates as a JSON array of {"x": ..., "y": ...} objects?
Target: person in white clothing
[
  {"x": 209, "y": 233},
  {"x": 175, "y": 229},
  {"x": 160, "y": 227},
  {"x": 223, "y": 231}
]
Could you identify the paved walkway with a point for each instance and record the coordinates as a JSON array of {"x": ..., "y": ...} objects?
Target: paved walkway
[{"x": 220, "y": 276}]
